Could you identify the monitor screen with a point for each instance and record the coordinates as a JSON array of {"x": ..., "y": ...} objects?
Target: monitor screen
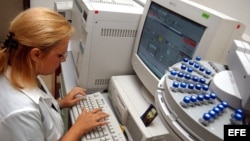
[{"x": 167, "y": 38}]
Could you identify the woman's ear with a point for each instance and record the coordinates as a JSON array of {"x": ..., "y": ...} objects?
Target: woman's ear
[{"x": 35, "y": 54}]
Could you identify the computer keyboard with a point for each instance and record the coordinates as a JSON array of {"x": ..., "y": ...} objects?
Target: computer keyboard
[{"x": 109, "y": 132}]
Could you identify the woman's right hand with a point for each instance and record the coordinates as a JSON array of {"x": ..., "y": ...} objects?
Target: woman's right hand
[
  {"x": 86, "y": 121},
  {"x": 91, "y": 119}
]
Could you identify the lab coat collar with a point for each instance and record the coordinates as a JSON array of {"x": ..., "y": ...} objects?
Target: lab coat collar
[{"x": 33, "y": 93}]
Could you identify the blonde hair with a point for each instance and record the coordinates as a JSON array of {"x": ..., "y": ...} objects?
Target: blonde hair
[{"x": 33, "y": 28}]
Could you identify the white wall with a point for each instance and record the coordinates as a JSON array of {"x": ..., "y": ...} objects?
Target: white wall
[
  {"x": 8, "y": 9},
  {"x": 44, "y": 3}
]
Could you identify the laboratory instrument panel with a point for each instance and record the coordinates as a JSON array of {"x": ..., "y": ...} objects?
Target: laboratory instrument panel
[{"x": 103, "y": 42}]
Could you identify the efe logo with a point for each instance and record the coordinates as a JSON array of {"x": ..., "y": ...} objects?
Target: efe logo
[{"x": 241, "y": 132}]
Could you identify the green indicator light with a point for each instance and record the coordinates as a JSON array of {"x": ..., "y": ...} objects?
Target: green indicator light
[{"x": 205, "y": 15}]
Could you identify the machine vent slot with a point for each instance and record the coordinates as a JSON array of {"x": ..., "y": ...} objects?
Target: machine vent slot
[
  {"x": 116, "y": 2},
  {"x": 101, "y": 81},
  {"x": 118, "y": 32}
]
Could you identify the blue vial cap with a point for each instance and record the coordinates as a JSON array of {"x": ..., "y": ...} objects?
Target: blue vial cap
[
  {"x": 212, "y": 113},
  {"x": 193, "y": 98},
  {"x": 203, "y": 80},
  {"x": 195, "y": 78},
  {"x": 205, "y": 87},
  {"x": 221, "y": 107},
  {"x": 206, "y": 96},
  {"x": 183, "y": 67},
  {"x": 224, "y": 103},
  {"x": 190, "y": 70},
  {"x": 185, "y": 59},
  {"x": 191, "y": 62},
  {"x": 201, "y": 69},
  {"x": 238, "y": 117},
  {"x": 239, "y": 111},
  {"x": 216, "y": 110},
  {"x": 200, "y": 97},
  {"x": 196, "y": 65},
  {"x": 173, "y": 72},
  {"x": 186, "y": 99},
  {"x": 198, "y": 86},
  {"x": 213, "y": 95},
  {"x": 180, "y": 74},
  {"x": 191, "y": 86},
  {"x": 183, "y": 85},
  {"x": 188, "y": 76},
  {"x": 208, "y": 72},
  {"x": 206, "y": 116},
  {"x": 175, "y": 84},
  {"x": 198, "y": 58}
]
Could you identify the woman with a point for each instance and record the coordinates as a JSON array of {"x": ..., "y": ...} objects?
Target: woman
[{"x": 36, "y": 45}]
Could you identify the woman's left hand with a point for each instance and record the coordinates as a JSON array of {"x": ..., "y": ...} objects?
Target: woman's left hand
[{"x": 74, "y": 96}]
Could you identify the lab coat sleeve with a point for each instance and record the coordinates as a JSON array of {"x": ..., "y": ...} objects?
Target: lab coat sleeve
[{"x": 23, "y": 125}]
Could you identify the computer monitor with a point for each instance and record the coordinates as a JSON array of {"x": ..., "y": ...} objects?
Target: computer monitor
[{"x": 170, "y": 30}]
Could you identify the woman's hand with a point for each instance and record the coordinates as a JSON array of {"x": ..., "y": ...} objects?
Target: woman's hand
[
  {"x": 91, "y": 119},
  {"x": 74, "y": 96},
  {"x": 84, "y": 123}
]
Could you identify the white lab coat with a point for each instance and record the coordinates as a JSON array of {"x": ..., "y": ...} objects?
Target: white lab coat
[{"x": 26, "y": 115}]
